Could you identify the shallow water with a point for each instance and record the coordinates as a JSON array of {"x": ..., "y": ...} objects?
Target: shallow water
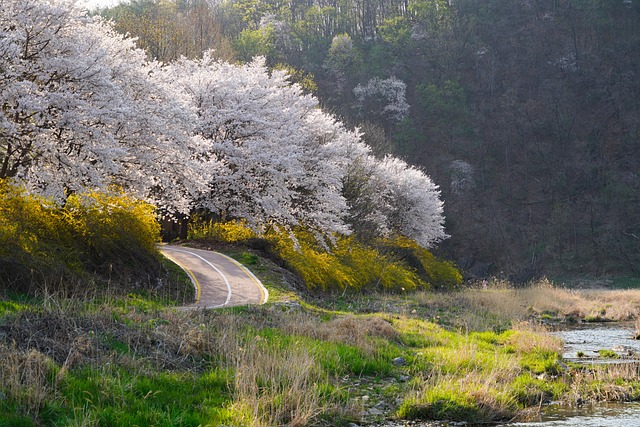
[
  {"x": 603, "y": 415},
  {"x": 589, "y": 338}
]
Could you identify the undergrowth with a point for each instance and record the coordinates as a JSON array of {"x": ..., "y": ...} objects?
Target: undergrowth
[
  {"x": 350, "y": 265},
  {"x": 130, "y": 360},
  {"x": 94, "y": 242}
]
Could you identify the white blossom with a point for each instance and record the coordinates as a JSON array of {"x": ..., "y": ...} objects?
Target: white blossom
[
  {"x": 385, "y": 98},
  {"x": 393, "y": 197},
  {"x": 272, "y": 155},
  {"x": 462, "y": 179},
  {"x": 82, "y": 107},
  {"x": 79, "y": 108}
]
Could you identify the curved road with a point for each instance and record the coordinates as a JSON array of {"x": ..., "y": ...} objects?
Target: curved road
[{"x": 220, "y": 281}]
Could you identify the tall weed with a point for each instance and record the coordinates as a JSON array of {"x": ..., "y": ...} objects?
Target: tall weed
[
  {"x": 26, "y": 378},
  {"x": 270, "y": 390}
]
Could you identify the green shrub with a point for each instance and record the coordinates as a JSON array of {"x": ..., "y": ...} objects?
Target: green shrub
[
  {"x": 541, "y": 361},
  {"x": 529, "y": 391},
  {"x": 105, "y": 235},
  {"x": 349, "y": 265},
  {"x": 318, "y": 268},
  {"x": 114, "y": 233},
  {"x": 608, "y": 354},
  {"x": 442, "y": 404}
]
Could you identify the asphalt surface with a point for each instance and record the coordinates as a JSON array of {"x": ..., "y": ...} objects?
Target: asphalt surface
[{"x": 220, "y": 281}]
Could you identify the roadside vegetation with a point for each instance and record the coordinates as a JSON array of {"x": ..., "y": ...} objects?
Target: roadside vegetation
[
  {"x": 130, "y": 361},
  {"x": 352, "y": 264},
  {"x": 96, "y": 243},
  {"x": 329, "y": 353}
]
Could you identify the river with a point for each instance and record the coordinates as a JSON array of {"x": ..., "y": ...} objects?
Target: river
[
  {"x": 584, "y": 339},
  {"x": 601, "y": 415},
  {"x": 582, "y": 343}
]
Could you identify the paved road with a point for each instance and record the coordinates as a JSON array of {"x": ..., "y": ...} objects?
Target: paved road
[{"x": 219, "y": 280}]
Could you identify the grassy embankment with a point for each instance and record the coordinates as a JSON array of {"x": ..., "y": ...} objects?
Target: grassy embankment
[{"x": 117, "y": 358}]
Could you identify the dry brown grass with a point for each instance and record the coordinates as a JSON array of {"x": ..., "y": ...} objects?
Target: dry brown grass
[
  {"x": 532, "y": 337},
  {"x": 348, "y": 329},
  {"x": 610, "y": 383},
  {"x": 276, "y": 383},
  {"x": 617, "y": 305},
  {"x": 271, "y": 385},
  {"x": 500, "y": 302},
  {"x": 272, "y": 390},
  {"x": 25, "y": 377}
]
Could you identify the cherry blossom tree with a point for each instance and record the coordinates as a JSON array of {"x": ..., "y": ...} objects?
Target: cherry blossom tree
[
  {"x": 382, "y": 98},
  {"x": 462, "y": 177},
  {"x": 272, "y": 156},
  {"x": 389, "y": 197},
  {"x": 79, "y": 107},
  {"x": 414, "y": 208}
]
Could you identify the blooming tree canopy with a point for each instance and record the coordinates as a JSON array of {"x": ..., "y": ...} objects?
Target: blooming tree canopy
[
  {"x": 384, "y": 98},
  {"x": 271, "y": 155},
  {"x": 81, "y": 106},
  {"x": 388, "y": 197}
]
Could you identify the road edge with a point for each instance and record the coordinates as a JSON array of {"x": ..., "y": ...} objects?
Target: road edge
[
  {"x": 194, "y": 281},
  {"x": 263, "y": 289}
]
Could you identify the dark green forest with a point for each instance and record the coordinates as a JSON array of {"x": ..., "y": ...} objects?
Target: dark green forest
[{"x": 525, "y": 113}]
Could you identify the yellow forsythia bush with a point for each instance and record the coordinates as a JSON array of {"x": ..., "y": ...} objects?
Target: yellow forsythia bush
[
  {"x": 108, "y": 222},
  {"x": 440, "y": 274},
  {"x": 226, "y": 232},
  {"x": 397, "y": 264},
  {"x": 26, "y": 222},
  {"x": 349, "y": 265},
  {"x": 44, "y": 243}
]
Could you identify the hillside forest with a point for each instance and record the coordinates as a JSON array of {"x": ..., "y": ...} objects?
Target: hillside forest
[{"x": 525, "y": 114}]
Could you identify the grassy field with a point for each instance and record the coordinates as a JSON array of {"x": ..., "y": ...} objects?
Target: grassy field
[{"x": 301, "y": 359}]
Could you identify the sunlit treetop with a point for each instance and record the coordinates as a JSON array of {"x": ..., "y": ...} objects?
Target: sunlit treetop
[{"x": 82, "y": 107}]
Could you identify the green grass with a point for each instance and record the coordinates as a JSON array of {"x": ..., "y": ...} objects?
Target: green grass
[
  {"x": 113, "y": 396},
  {"x": 134, "y": 360},
  {"x": 608, "y": 354},
  {"x": 541, "y": 362},
  {"x": 441, "y": 404},
  {"x": 113, "y": 343},
  {"x": 10, "y": 307},
  {"x": 529, "y": 391},
  {"x": 247, "y": 258}
]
